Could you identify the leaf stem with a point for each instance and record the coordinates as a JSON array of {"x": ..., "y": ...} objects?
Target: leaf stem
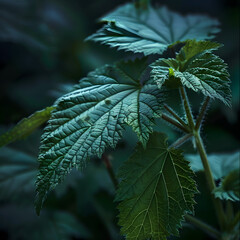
[
  {"x": 203, "y": 155},
  {"x": 110, "y": 171},
  {"x": 203, "y": 226},
  {"x": 181, "y": 140},
  {"x": 202, "y": 113},
  {"x": 187, "y": 108},
  {"x": 175, "y": 116},
  {"x": 174, "y": 122}
]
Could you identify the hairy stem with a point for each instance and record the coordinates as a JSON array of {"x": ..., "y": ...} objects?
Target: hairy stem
[
  {"x": 202, "y": 113},
  {"x": 181, "y": 140},
  {"x": 187, "y": 108},
  {"x": 203, "y": 155},
  {"x": 203, "y": 226},
  {"x": 175, "y": 116},
  {"x": 110, "y": 171},
  {"x": 174, "y": 122}
]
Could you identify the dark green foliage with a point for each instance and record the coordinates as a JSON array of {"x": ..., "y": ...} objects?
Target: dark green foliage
[
  {"x": 152, "y": 30},
  {"x": 83, "y": 124},
  {"x": 156, "y": 191}
]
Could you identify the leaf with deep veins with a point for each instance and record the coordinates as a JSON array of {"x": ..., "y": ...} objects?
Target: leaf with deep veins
[
  {"x": 152, "y": 30},
  {"x": 93, "y": 117},
  {"x": 197, "y": 68},
  {"x": 156, "y": 191}
]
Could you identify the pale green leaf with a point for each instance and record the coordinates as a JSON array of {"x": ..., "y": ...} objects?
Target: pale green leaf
[
  {"x": 229, "y": 188},
  {"x": 93, "y": 116},
  {"x": 224, "y": 167},
  {"x": 196, "y": 68},
  {"x": 152, "y": 30},
  {"x": 221, "y": 163},
  {"x": 26, "y": 126},
  {"x": 156, "y": 191}
]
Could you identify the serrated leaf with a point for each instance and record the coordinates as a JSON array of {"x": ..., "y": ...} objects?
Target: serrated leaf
[
  {"x": 152, "y": 30},
  {"x": 226, "y": 168},
  {"x": 229, "y": 188},
  {"x": 221, "y": 163},
  {"x": 93, "y": 117},
  {"x": 198, "y": 69},
  {"x": 156, "y": 191},
  {"x": 26, "y": 126}
]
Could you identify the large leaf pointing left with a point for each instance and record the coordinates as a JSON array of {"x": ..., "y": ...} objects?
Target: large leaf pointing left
[{"x": 92, "y": 117}]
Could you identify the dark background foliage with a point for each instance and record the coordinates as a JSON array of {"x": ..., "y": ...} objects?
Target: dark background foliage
[{"x": 42, "y": 53}]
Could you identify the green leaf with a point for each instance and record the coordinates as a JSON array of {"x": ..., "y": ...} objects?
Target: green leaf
[
  {"x": 26, "y": 126},
  {"x": 156, "y": 191},
  {"x": 220, "y": 164},
  {"x": 92, "y": 117},
  {"x": 152, "y": 30},
  {"x": 229, "y": 188},
  {"x": 225, "y": 167},
  {"x": 18, "y": 171},
  {"x": 198, "y": 69}
]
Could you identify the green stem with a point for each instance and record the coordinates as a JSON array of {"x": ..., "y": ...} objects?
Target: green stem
[
  {"x": 202, "y": 113},
  {"x": 175, "y": 116},
  {"x": 203, "y": 155},
  {"x": 110, "y": 170},
  {"x": 203, "y": 226},
  {"x": 175, "y": 123},
  {"x": 187, "y": 108},
  {"x": 181, "y": 140}
]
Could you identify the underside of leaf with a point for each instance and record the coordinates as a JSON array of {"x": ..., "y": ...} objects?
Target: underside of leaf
[
  {"x": 93, "y": 116},
  {"x": 152, "y": 30},
  {"x": 156, "y": 191}
]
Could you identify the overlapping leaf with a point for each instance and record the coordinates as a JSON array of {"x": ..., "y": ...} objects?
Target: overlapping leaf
[
  {"x": 156, "y": 191},
  {"x": 197, "y": 68},
  {"x": 26, "y": 126},
  {"x": 93, "y": 116},
  {"x": 152, "y": 30},
  {"x": 229, "y": 188},
  {"x": 226, "y": 168}
]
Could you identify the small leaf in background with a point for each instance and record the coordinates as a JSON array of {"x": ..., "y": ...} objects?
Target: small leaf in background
[
  {"x": 93, "y": 117},
  {"x": 22, "y": 223},
  {"x": 229, "y": 188},
  {"x": 26, "y": 126},
  {"x": 18, "y": 172},
  {"x": 152, "y": 30},
  {"x": 156, "y": 191},
  {"x": 225, "y": 167},
  {"x": 198, "y": 69}
]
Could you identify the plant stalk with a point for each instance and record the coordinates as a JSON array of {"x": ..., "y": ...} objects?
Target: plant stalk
[
  {"x": 110, "y": 171},
  {"x": 203, "y": 155},
  {"x": 203, "y": 226},
  {"x": 202, "y": 113},
  {"x": 187, "y": 108}
]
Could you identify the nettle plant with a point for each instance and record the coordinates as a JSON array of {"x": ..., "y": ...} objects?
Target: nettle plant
[{"x": 155, "y": 187}]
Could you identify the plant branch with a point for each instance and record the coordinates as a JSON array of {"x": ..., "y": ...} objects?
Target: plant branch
[
  {"x": 110, "y": 171},
  {"x": 202, "y": 113},
  {"x": 181, "y": 140},
  {"x": 174, "y": 122},
  {"x": 203, "y": 226},
  {"x": 187, "y": 108}
]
